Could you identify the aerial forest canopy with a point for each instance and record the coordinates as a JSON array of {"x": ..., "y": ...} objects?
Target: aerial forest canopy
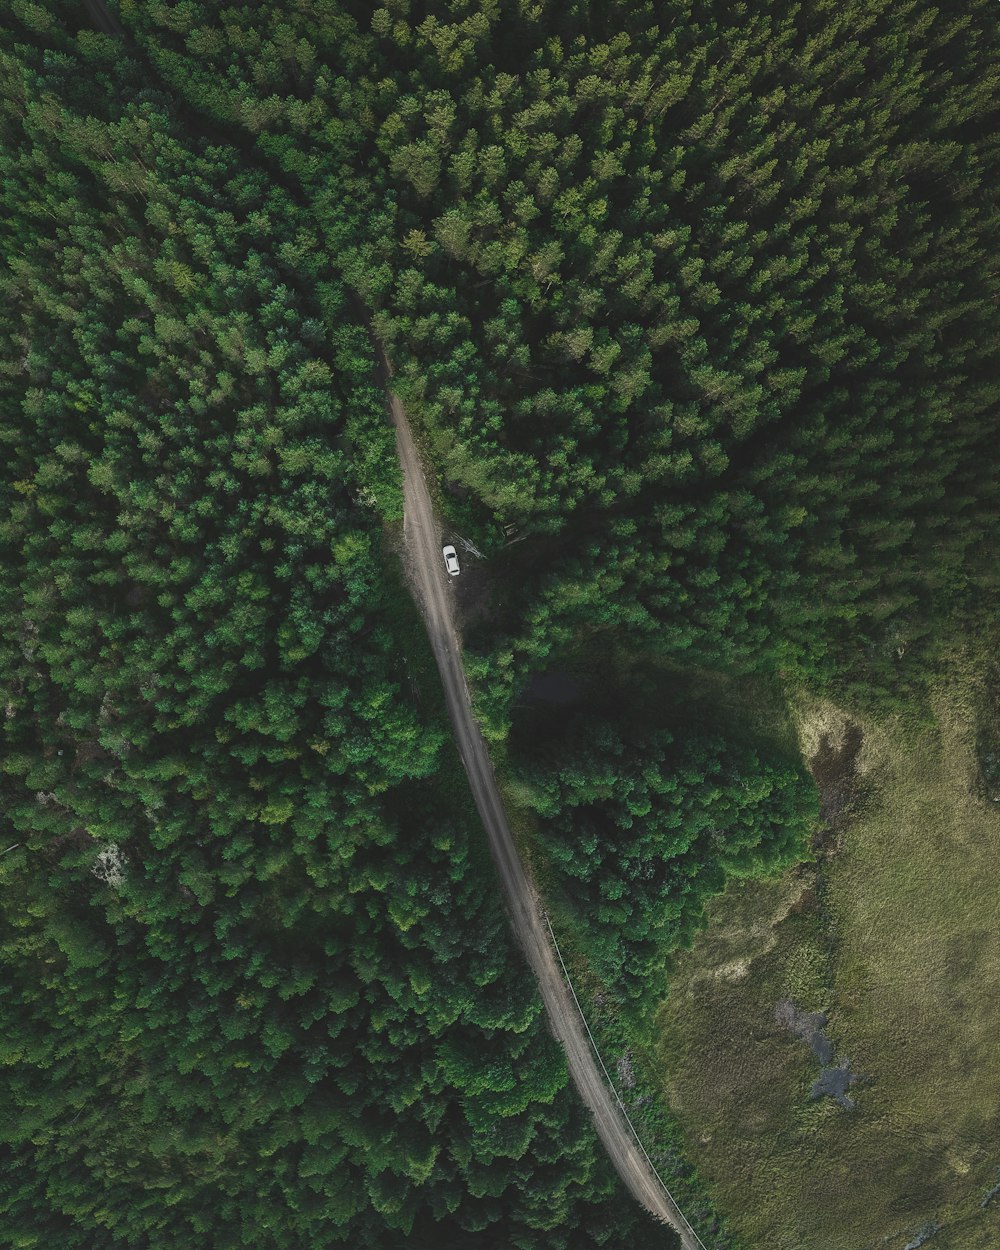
[
  {"x": 645, "y": 829},
  {"x": 705, "y": 291},
  {"x": 697, "y": 301},
  {"x": 259, "y": 989}
]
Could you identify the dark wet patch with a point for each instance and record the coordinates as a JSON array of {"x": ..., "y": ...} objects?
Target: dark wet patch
[
  {"x": 834, "y": 1083},
  {"x": 808, "y": 1025},
  {"x": 992, "y": 1194},
  {"x": 925, "y": 1234},
  {"x": 987, "y": 779},
  {"x": 835, "y": 771},
  {"x": 473, "y": 591},
  {"x": 835, "y": 1079},
  {"x": 555, "y": 688},
  {"x": 808, "y": 899}
]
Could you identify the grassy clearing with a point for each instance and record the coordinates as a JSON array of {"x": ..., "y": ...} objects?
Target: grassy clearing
[{"x": 895, "y": 935}]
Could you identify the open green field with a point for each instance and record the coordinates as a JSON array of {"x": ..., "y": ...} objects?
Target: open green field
[{"x": 893, "y": 934}]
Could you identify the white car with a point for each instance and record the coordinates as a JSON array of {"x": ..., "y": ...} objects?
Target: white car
[{"x": 451, "y": 560}]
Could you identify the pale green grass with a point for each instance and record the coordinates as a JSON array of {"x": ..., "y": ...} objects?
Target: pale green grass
[{"x": 902, "y": 949}]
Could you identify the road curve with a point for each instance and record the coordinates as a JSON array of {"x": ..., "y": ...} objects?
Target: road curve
[{"x": 422, "y": 534}]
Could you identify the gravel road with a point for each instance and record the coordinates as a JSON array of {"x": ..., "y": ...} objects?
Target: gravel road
[
  {"x": 430, "y": 585},
  {"x": 431, "y": 588}
]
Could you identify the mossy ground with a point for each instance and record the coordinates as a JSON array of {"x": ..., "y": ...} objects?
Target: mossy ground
[{"x": 894, "y": 933}]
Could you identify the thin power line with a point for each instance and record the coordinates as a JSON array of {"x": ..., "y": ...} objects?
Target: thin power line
[{"x": 614, "y": 1091}]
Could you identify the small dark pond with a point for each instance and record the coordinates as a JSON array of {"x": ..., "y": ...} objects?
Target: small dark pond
[{"x": 834, "y": 1080}]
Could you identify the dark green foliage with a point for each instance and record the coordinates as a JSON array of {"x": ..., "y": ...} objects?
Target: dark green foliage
[
  {"x": 642, "y": 829},
  {"x": 710, "y": 295},
  {"x": 701, "y": 299},
  {"x": 259, "y": 990}
]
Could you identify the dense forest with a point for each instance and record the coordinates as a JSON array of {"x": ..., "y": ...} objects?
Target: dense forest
[
  {"x": 644, "y": 829},
  {"x": 706, "y": 294},
  {"x": 694, "y": 301},
  {"x": 259, "y": 990}
]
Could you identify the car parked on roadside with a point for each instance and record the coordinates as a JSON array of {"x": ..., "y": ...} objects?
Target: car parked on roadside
[{"x": 451, "y": 560}]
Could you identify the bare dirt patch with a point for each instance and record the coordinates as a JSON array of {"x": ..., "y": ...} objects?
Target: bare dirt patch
[
  {"x": 474, "y": 592},
  {"x": 834, "y": 767}
]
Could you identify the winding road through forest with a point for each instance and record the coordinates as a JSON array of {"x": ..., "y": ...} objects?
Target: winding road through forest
[
  {"x": 422, "y": 533},
  {"x": 429, "y": 582}
]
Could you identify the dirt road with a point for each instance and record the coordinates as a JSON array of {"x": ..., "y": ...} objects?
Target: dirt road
[{"x": 430, "y": 585}]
